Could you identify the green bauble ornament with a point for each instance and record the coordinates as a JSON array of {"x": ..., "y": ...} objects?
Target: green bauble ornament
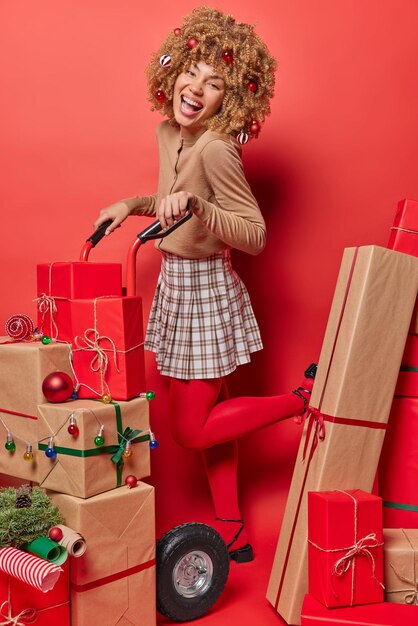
[
  {"x": 150, "y": 395},
  {"x": 99, "y": 441},
  {"x": 10, "y": 446},
  {"x": 46, "y": 340}
]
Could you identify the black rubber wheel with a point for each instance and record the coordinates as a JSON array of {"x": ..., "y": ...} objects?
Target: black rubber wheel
[{"x": 192, "y": 570}]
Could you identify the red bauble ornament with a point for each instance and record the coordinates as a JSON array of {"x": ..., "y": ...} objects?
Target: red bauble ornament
[
  {"x": 192, "y": 43},
  {"x": 252, "y": 86},
  {"x": 73, "y": 430},
  {"x": 177, "y": 32},
  {"x": 131, "y": 481},
  {"x": 255, "y": 128},
  {"x": 57, "y": 387},
  {"x": 55, "y": 533},
  {"x": 160, "y": 95},
  {"x": 228, "y": 56}
]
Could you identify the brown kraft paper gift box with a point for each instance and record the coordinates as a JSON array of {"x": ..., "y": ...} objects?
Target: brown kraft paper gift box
[
  {"x": 357, "y": 372},
  {"x": 80, "y": 468},
  {"x": 113, "y": 583},
  {"x": 23, "y": 367},
  {"x": 401, "y": 565}
]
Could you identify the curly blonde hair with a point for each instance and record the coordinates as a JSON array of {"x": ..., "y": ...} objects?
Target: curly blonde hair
[{"x": 249, "y": 79}]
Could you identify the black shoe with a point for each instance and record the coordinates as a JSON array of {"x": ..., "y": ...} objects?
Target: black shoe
[{"x": 241, "y": 555}]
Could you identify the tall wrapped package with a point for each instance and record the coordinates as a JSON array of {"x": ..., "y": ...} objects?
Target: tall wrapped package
[
  {"x": 113, "y": 583},
  {"x": 23, "y": 367},
  {"x": 351, "y": 400}
]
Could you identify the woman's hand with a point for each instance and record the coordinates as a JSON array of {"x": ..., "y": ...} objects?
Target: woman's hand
[
  {"x": 117, "y": 212},
  {"x": 173, "y": 207}
]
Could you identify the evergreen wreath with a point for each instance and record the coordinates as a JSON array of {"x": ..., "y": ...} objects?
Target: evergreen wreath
[{"x": 22, "y": 525}]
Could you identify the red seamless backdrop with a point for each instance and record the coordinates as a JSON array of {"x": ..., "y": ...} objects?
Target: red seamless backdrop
[{"x": 337, "y": 153}]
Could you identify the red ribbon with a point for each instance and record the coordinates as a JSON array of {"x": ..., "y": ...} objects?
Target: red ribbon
[{"x": 109, "y": 579}]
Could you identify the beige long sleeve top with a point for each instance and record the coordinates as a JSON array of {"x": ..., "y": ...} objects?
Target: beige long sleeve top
[{"x": 209, "y": 167}]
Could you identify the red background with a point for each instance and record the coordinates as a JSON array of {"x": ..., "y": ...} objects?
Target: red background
[{"x": 337, "y": 153}]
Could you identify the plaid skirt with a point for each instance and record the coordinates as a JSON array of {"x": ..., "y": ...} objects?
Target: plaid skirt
[{"x": 201, "y": 324}]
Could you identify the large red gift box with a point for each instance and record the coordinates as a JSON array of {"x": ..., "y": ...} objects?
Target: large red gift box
[
  {"x": 79, "y": 279},
  {"x": 383, "y": 614},
  {"x": 345, "y": 552},
  {"x": 17, "y": 599},
  {"x": 398, "y": 467},
  {"x": 108, "y": 350}
]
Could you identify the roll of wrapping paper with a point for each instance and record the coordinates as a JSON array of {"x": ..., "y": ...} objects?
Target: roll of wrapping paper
[
  {"x": 47, "y": 549},
  {"x": 29, "y": 568},
  {"x": 72, "y": 541}
]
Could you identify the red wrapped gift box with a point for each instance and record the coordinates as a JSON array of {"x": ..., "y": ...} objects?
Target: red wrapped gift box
[
  {"x": 345, "y": 550},
  {"x": 17, "y": 597},
  {"x": 79, "y": 279},
  {"x": 410, "y": 355},
  {"x": 384, "y": 614},
  {"x": 403, "y": 234},
  {"x": 398, "y": 468},
  {"x": 108, "y": 352}
]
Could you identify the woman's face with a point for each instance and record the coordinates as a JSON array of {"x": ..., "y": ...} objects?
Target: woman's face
[{"x": 198, "y": 95}]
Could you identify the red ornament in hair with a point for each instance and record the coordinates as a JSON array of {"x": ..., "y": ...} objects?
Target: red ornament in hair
[
  {"x": 252, "y": 86},
  {"x": 160, "y": 95},
  {"x": 192, "y": 43},
  {"x": 228, "y": 56},
  {"x": 255, "y": 128}
]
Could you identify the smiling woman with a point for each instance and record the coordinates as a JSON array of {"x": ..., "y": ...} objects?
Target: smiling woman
[{"x": 213, "y": 78}]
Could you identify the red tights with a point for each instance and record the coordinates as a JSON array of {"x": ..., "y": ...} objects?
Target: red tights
[{"x": 197, "y": 422}]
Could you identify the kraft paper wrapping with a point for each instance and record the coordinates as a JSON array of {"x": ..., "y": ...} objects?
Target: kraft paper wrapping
[
  {"x": 119, "y": 529},
  {"x": 24, "y": 366},
  {"x": 401, "y": 565},
  {"x": 87, "y": 476},
  {"x": 357, "y": 373},
  {"x": 72, "y": 541}
]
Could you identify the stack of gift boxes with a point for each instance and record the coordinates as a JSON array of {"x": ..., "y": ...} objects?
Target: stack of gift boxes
[
  {"x": 82, "y": 450},
  {"x": 338, "y": 560}
]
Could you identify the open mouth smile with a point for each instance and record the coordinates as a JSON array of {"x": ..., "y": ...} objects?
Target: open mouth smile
[{"x": 189, "y": 106}]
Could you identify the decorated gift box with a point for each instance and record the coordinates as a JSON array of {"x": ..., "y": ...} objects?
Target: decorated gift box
[
  {"x": 95, "y": 445},
  {"x": 21, "y": 603},
  {"x": 79, "y": 279},
  {"x": 24, "y": 365},
  {"x": 404, "y": 231},
  {"x": 345, "y": 551},
  {"x": 401, "y": 565},
  {"x": 398, "y": 467},
  {"x": 404, "y": 238},
  {"x": 344, "y": 429},
  {"x": 119, "y": 562},
  {"x": 384, "y": 614},
  {"x": 106, "y": 334}
]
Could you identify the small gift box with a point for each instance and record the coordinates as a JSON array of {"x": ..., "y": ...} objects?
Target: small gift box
[
  {"x": 82, "y": 468},
  {"x": 384, "y": 614},
  {"x": 350, "y": 404},
  {"x": 24, "y": 365},
  {"x": 21, "y": 603},
  {"x": 401, "y": 565},
  {"x": 108, "y": 351},
  {"x": 79, "y": 279},
  {"x": 404, "y": 232},
  {"x": 119, "y": 563},
  {"x": 345, "y": 552}
]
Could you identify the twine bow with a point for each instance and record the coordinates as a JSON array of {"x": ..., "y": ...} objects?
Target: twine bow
[
  {"x": 46, "y": 304},
  {"x": 91, "y": 341},
  {"x": 27, "y": 616},
  {"x": 411, "y": 596},
  {"x": 361, "y": 547}
]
